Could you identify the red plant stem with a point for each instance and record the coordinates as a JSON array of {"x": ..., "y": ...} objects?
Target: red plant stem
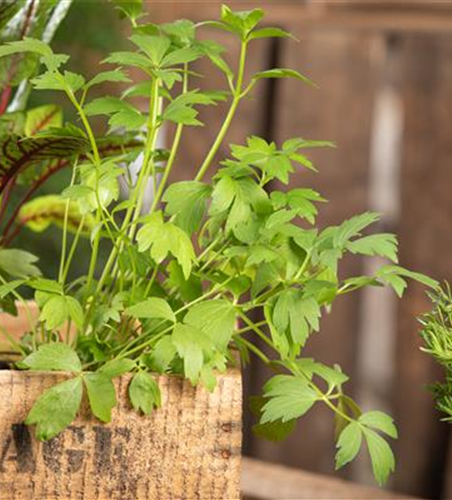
[
  {"x": 7, "y": 240},
  {"x": 6, "y": 196},
  {"x": 4, "y": 99}
]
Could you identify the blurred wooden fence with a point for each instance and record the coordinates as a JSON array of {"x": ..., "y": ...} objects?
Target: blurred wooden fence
[{"x": 385, "y": 75}]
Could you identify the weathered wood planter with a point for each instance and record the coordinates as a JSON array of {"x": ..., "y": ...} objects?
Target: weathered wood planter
[{"x": 188, "y": 449}]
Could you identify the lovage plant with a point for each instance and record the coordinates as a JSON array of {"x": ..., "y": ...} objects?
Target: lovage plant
[{"x": 186, "y": 279}]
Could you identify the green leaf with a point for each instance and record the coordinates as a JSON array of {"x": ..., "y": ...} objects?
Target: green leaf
[
  {"x": 56, "y": 409},
  {"x": 18, "y": 263},
  {"x": 129, "y": 8},
  {"x": 187, "y": 202},
  {"x": 117, "y": 367},
  {"x": 55, "y": 356},
  {"x": 55, "y": 81},
  {"x": 216, "y": 318},
  {"x": 349, "y": 444},
  {"x": 43, "y": 118},
  {"x": 162, "y": 355},
  {"x": 75, "y": 311},
  {"x": 108, "y": 76},
  {"x": 190, "y": 344},
  {"x": 155, "y": 47},
  {"x": 101, "y": 395},
  {"x": 394, "y": 276},
  {"x": 283, "y": 73},
  {"x": 379, "y": 421},
  {"x": 273, "y": 431},
  {"x": 181, "y": 56},
  {"x": 269, "y": 33},
  {"x": 46, "y": 285},
  {"x": 133, "y": 59},
  {"x": 144, "y": 393},
  {"x": 383, "y": 245},
  {"x": 288, "y": 398},
  {"x": 163, "y": 238},
  {"x": 153, "y": 308},
  {"x": 353, "y": 227},
  {"x": 55, "y": 312},
  {"x": 297, "y": 314},
  {"x": 383, "y": 462},
  {"x": 26, "y": 45}
]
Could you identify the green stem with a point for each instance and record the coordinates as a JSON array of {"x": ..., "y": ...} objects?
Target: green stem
[{"x": 227, "y": 123}]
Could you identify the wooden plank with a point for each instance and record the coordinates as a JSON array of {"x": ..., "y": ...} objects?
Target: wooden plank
[
  {"x": 425, "y": 238},
  {"x": 361, "y": 15},
  {"x": 268, "y": 481},
  {"x": 338, "y": 111},
  {"x": 190, "y": 448}
]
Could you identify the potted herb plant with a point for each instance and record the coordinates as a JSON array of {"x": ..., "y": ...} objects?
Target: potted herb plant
[{"x": 160, "y": 325}]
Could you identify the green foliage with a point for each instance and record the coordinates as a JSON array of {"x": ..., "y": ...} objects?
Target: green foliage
[
  {"x": 187, "y": 273},
  {"x": 436, "y": 333}
]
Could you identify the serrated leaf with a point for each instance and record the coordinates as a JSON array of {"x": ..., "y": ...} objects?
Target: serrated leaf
[
  {"x": 56, "y": 409},
  {"x": 349, "y": 444},
  {"x": 55, "y": 356},
  {"x": 144, "y": 393},
  {"x": 216, "y": 318},
  {"x": 379, "y": 421},
  {"x": 153, "y": 308},
  {"x": 55, "y": 312},
  {"x": 18, "y": 263},
  {"x": 187, "y": 202},
  {"x": 353, "y": 227},
  {"x": 163, "y": 238},
  {"x": 383, "y": 462},
  {"x": 288, "y": 398},
  {"x": 383, "y": 245},
  {"x": 101, "y": 395},
  {"x": 273, "y": 431},
  {"x": 108, "y": 76}
]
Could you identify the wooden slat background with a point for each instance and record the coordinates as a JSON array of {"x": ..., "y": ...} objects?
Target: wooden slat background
[{"x": 358, "y": 51}]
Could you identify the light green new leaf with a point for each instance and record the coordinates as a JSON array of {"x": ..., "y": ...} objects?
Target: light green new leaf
[
  {"x": 101, "y": 395},
  {"x": 288, "y": 398},
  {"x": 55, "y": 356},
  {"x": 379, "y": 421},
  {"x": 55, "y": 312},
  {"x": 155, "y": 47},
  {"x": 117, "y": 367},
  {"x": 153, "y": 308},
  {"x": 383, "y": 245},
  {"x": 187, "y": 202},
  {"x": 18, "y": 263},
  {"x": 56, "y": 409},
  {"x": 144, "y": 393},
  {"x": 349, "y": 444},
  {"x": 382, "y": 457},
  {"x": 216, "y": 318},
  {"x": 395, "y": 277}
]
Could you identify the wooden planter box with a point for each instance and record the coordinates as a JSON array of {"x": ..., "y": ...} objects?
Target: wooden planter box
[{"x": 189, "y": 449}]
